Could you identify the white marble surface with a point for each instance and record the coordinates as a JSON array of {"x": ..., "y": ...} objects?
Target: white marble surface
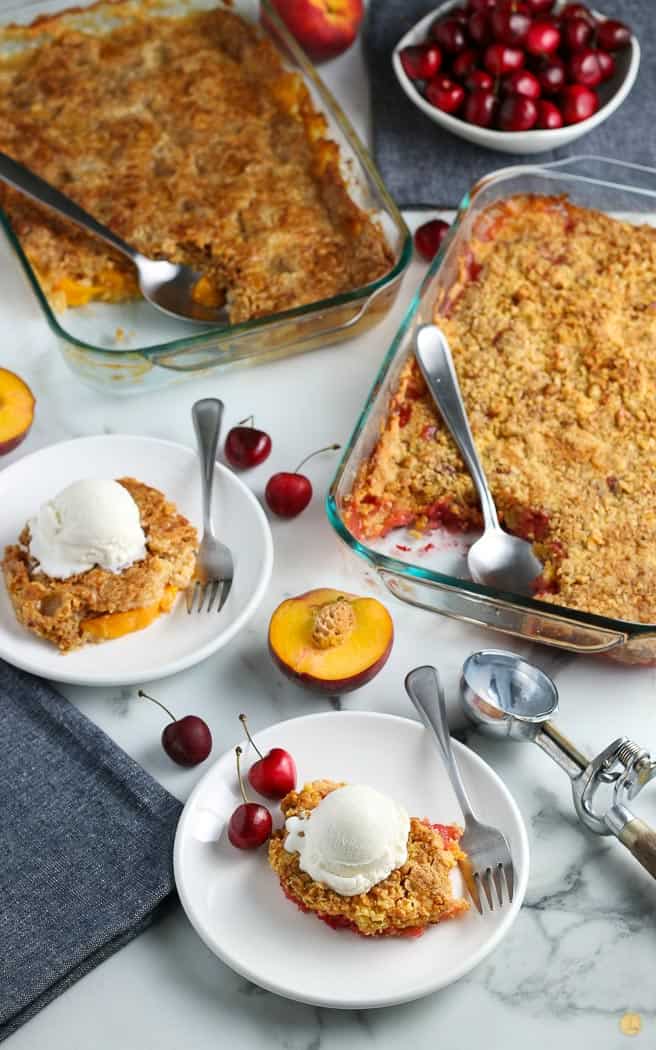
[{"x": 582, "y": 951}]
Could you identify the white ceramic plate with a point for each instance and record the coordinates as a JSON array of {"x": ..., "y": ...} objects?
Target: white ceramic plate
[
  {"x": 234, "y": 902},
  {"x": 611, "y": 94},
  {"x": 176, "y": 640}
]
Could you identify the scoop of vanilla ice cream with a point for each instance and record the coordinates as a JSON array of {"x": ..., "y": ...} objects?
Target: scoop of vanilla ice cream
[
  {"x": 352, "y": 840},
  {"x": 91, "y": 522}
]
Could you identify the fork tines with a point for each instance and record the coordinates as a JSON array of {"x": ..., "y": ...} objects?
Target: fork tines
[
  {"x": 488, "y": 878},
  {"x": 197, "y": 592}
]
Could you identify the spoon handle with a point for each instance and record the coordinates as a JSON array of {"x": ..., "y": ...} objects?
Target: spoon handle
[
  {"x": 424, "y": 688},
  {"x": 436, "y": 364},
  {"x": 32, "y": 185},
  {"x": 207, "y": 415}
]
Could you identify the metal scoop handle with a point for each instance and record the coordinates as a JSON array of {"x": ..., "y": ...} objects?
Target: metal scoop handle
[{"x": 635, "y": 834}]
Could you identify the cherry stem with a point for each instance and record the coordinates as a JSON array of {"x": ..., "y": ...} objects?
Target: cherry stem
[
  {"x": 159, "y": 704},
  {"x": 328, "y": 448},
  {"x": 249, "y": 419},
  {"x": 238, "y": 753},
  {"x": 242, "y": 719}
]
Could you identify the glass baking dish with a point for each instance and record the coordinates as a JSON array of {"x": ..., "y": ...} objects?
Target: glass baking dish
[
  {"x": 432, "y": 575},
  {"x": 131, "y": 347}
]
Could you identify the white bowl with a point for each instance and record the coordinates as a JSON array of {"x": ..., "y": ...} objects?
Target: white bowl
[{"x": 612, "y": 95}]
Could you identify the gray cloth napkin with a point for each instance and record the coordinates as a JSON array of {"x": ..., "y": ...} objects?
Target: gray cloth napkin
[
  {"x": 86, "y": 839},
  {"x": 423, "y": 165}
]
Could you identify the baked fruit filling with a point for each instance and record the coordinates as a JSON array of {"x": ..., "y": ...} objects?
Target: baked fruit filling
[
  {"x": 414, "y": 896},
  {"x": 190, "y": 140},
  {"x": 552, "y": 323},
  {"x": 99, "y": 605}
]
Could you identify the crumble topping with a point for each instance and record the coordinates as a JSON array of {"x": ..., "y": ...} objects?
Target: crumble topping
[
  {"x": 552, "y": 325},
  {"x": 417, "y": 894},
  {"x": 63, "y": 611},
  {"x": 189, "y": 139}
]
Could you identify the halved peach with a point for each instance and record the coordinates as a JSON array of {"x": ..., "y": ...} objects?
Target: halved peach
[
  {"x": 16, "y": 410},
  {"x": 330, "y": 641}
]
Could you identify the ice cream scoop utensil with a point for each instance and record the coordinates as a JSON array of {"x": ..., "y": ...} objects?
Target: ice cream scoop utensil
[
  {"x": 489, "y": 861},
  {"x": 506, "y": 696}
]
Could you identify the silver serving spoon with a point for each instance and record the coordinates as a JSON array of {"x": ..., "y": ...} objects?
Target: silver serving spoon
[
  {"x": 497, "y": 559},
  {"x": 168, "y": 286}
]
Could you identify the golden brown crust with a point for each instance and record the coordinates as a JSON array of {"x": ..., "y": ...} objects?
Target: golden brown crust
[
  {"x": 413, "y": 896},
  {"x": 57, "y": 609},
  {"x": 188, "y": 139},
  {"x": 552, "y": 324}
]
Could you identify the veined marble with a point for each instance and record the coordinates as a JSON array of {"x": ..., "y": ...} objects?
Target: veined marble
[{"x": 582, "y": 953}]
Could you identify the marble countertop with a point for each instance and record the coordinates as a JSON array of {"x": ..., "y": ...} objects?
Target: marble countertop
[{"x": 581, "y": 954}]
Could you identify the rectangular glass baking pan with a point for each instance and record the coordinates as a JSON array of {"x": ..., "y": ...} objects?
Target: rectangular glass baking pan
[
  {"x": 130, "y": 347},
  {"x": 432, "y": 575}
]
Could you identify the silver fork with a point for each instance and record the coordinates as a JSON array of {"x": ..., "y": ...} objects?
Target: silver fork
[
  {"x": 215, "y": 568},
  {"x": 489, "y": 860}
]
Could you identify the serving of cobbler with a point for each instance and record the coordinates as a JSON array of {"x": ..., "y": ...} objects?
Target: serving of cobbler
[
  {"x": 413, "y": 896},
  {"x": 73, "y": 608}
]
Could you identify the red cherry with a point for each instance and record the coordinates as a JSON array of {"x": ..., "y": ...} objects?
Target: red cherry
[
  {"x": 250, "y": 825},
  {"x": 542, "y": 38},
  {"x": 429, "y": 237},
  {"x": 187, "y": 740},
  {"x": 521, "y": 83},
  {"x": 421, "y": 63},
  {"x": 606, "y": 65},
  {"x": 480, "y": 107},
  {"x": 549, "y": 116},
  {"x": 478, "y": 78},
  {"x": 539, "y": 7},
  {"x": 465, "y": 63},
  {"x": 576, "y": 33},
  {"x": 517, "y": 113},
  {"x": 450, "y": 35},
  {"x": 551, "y": 75},
  {"x": 510, "y": 24},
  {"x": 460, "y": 14},
  {"x": 274, "y": 774},
  {"x": 246, "y": 446},
  {"x": 499, "y": 59},
  {"x": 479, "y": 28},
  {"x": 584, "y": 68},
  {"x": 288, "y": 494},
  {"x": 613, "y": 35},
  {"x": 578, "y": 102},
  {"x": 445, "y": 94},
  {"x": 481, "y": 5},
  {"x": 577, "y": 11}
]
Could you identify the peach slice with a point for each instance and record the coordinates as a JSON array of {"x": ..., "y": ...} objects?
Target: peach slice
[
  {"x": 330, "y": 641},
  {"x": 114, "y": 625},
  {"x": 16, "y": 410}
]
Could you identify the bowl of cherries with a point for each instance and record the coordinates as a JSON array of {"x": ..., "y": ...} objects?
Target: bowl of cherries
[{"x": 519, "y": 76}]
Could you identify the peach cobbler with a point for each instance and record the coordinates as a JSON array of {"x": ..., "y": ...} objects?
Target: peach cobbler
[
  {"x": 354, "y": 858},
  {"x": 190, "y": 140},
  {"x": 552, "y": 323},
  {"x": 100, "y": 560}
]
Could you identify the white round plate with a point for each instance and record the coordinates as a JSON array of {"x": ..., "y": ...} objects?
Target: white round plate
[
  {"x": 173, "y": 641},
  {"x": 234, "y": 901}
]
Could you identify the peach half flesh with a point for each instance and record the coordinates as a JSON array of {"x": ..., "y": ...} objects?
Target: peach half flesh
[
  {"x": 16, "y": 410},
  {"x": 330, "y": 641}
]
